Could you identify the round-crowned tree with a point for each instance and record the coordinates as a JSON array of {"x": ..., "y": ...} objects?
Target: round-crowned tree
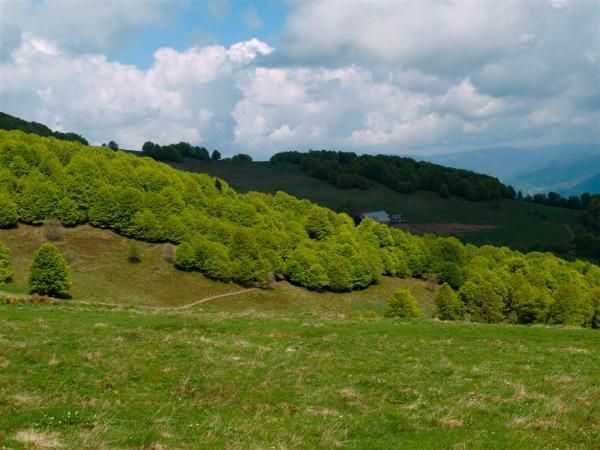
[
  {"x": 403, "y": 305},
  {"x": 447, "y": 304},
  {"x": 6, "y": 272},
  {"x": 49, "y": 273},
  {"x": 8, "y": 211}
]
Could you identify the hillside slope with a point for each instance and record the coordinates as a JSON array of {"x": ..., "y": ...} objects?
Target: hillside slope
[
  {"x": 514, "y": 224},
  {"x": 254, "y": 239},
  {"x": 101, "y": 273}
]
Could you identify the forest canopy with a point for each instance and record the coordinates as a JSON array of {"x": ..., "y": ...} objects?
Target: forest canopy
[
  {"x": 349, "y": 170},
  {"x": 254, "y": 237}
]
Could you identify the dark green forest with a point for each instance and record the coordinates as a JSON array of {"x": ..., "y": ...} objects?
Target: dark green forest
[
  {"x": 255, "y": 238},
  {"x": 348, "y": 170},
  {"x": 8, "y": 122}
]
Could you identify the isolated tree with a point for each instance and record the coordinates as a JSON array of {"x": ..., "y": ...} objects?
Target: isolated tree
[
  {"x": 402, "y": 304},
  {"x": 113, "y": 145},
  {"x": 49, "y": 273},
  {"x": 447, "y": 304},
  {"x": 6, "y": 272},
  {"x": 8, "y": 211},
  {"x": 215, "y": 155},
  {"x": 242, "y": 157}
]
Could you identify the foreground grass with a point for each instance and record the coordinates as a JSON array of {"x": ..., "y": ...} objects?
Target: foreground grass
[
  {"x": 84, "y": 376},
  {"x": 516, "y": 224}
]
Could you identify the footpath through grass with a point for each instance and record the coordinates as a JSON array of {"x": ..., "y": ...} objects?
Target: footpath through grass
[{"x": 84, "y": 376}]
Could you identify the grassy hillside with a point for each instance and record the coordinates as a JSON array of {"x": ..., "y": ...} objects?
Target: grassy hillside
[
  {"x": 84, "y": 376},
  {"x": 515, "y": 224},
  {"x": 101, "y": 273}
]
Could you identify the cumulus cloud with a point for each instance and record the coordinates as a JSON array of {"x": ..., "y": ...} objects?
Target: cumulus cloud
[
  {"x": 84, "y": 25},
  {"x": 403, "y": 77}
]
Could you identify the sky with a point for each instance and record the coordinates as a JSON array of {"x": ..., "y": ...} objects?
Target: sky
[{"x": 403, "y": 77}]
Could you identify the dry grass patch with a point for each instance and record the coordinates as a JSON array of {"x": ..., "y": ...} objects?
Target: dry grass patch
[
  {"x": 323, "y": 412},
  {"x": 37, "y": 440},
  {"x": 448, "y": 422}
]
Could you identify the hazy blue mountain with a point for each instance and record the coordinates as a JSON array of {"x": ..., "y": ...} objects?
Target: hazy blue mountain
[
  {"x": 557, "y": 167},
  {"x": 559, "y": 175},
  {"x": 591, "y": 185}
]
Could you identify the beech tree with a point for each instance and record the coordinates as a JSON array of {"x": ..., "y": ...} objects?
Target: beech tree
[
  {"x": 447, "y": 304},
  {"x": 403, "y": 305},
  {"x": 8, "y": 211},
  {"x": 49, "y": 273}
]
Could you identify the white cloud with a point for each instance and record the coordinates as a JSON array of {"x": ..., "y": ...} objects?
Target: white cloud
[
  {"x": 376, "y": 77},
  {"x": 82, "y": 25}
]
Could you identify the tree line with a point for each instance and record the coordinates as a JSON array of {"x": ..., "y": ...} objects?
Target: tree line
[
  {"x": 8, "y": 122},
  {"x": 349, "y": 170},
  {"x": 255, "y": 237}
]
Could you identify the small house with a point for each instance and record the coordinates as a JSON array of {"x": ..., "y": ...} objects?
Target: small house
[{"x": 377, "y": 216}]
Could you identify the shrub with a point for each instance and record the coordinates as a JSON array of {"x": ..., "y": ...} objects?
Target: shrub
[
  {"x": 134, "y": 255},
  {"x": 403, "y": 305},
  {"x": 448, "y": 305},
  {"x": 6, "y": 272},
  {"x": 53, "y": 230},
  {"x": 49, "y": 273}
]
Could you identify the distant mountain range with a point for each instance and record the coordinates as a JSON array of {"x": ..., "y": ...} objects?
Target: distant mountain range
[{"x": 567, "y": 168}]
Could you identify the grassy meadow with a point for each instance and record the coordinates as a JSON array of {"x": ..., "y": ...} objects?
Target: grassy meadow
[
  {"x": 81, "y": 376},
  {"x": 117, "y": 367},
  {"x": 515, "y": 224},
  {"x": 101, "y": 273}
]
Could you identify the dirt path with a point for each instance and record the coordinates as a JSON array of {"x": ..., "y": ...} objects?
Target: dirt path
[{"x": 214, "y": 297}]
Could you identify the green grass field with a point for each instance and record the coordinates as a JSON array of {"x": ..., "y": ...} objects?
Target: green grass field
[
  {"x": 515, "y": 224},
  {"x": 117, "y": 367},
  {"x": 96, "y": 377}
]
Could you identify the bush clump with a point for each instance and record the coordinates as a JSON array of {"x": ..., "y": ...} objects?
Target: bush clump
[{"x": 403, "y": 305}]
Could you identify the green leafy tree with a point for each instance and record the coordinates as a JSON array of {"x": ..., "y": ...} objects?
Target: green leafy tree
[
  {"x": 402, "y": 304},
  {"x": 8, "y": 211},
  {"x": 49, "y": 273},
  {"x": 184, "y": 257},
  {"x": 215, "y": 155},
  {"x": 69, "y": 213},
  {"x": 6, "y": 272},
  {"x": 530, "y": 303},
  {"x": 146, "y": 226},
  {"x": 317, "y": 224},
  {"x": 482, "y": 302},
  {"x": 447, "y": 304},
  {"x": 571, "y": 306}
]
